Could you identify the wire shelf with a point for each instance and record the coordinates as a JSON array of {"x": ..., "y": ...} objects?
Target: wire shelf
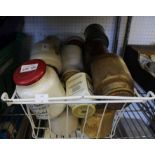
[{"x": 131, "y": 121}]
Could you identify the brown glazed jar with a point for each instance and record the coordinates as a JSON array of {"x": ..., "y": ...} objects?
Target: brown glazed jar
[{"x": 111, "y": 77}]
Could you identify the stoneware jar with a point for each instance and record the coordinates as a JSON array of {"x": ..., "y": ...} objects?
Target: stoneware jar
[
  {"x": 96, "y": 43},
  {"x": 111, "y": 76},
  {"x": 59, "y": 124},
  {"x": 72, "y": 54},
  {"x": 49, "y": 51},
  {"x": 35, "y": 77}
]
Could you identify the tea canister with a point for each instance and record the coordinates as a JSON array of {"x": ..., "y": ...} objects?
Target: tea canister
[
  {"x": 48, "y": 50},
  {"x": 79, "y": 85},
  {"x": 35, "y": 77},
  {"x": 59, "y": 124}
]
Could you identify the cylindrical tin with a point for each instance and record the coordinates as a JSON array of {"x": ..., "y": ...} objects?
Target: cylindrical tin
[
  {"x": 93, "y": 122},
  {"x": 111, "y": 77},
  {"x": 59, "y": 124},
  {"x": 48, "y": 50},
  {"x": 79, "y": 85}
]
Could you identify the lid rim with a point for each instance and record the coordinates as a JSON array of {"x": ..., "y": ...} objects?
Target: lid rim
[{"x": 29, "y": 77}]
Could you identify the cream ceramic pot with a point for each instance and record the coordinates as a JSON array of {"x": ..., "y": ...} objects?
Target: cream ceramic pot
[
  {"x": 72, "y": 58},
  {"x": 42, "y": 80},
  {"x": 48, "y": 50},
  {"x": 72, "y": 54},
  {"x": 59, "y": 124}
]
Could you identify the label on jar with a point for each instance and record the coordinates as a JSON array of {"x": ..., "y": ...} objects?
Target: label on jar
[
  {"x": 28, "y": 68},
  {"x": 78, "y": 85},
  {"x": 40, "y": 110},
  {"x": 41, "y": 98}
]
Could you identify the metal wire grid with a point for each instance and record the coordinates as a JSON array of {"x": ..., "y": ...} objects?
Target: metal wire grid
[
  {"x": 129, "y": 122},
  {"x": 12, "y": 123},
  {"x": 142, "y": 31},
  {"x": 136, "y": 121},
  {"x": 40, "y": 27}
]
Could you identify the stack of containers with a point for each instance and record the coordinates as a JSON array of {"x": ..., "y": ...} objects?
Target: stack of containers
[
  {"x": 77, "y": 82},
  {"x": 40, "y": 75},
  {"x": 110, "y": 76}
]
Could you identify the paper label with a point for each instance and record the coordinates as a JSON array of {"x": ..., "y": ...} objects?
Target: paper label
[
  {"x": 40, "y": 110},
  {"x": 41, "y": 98},
  {"x": 28, "y": 68},
  {"x": 78, "y": 85}
]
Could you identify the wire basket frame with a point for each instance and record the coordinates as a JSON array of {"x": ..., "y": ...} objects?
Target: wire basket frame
[{"x": 37, "y": 127}]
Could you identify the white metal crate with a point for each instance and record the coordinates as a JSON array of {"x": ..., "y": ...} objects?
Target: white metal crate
[{"x": 125, "y": 111}]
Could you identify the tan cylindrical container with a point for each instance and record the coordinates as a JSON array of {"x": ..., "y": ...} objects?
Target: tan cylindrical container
[
  {"x": 59, "y": 124},
  {"x": 111, "y": 77},
  {"x": 79, "y": 85},
  {"x": 68, "y": 74},
  {"x": 93, "y": 122}
]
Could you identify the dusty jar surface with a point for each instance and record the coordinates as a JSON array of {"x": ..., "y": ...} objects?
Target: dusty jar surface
[{"x": 111, "y": 77}]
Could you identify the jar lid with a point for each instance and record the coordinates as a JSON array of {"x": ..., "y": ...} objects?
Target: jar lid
[{"x": 29, "y": 72}]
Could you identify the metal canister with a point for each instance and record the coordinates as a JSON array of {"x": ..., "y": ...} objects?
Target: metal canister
[
  {"x": 91, "y": 128},
  {"x": 110, "y": 76},
  {"x": 79, "y": 85}
]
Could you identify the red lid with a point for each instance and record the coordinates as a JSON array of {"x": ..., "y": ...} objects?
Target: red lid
[{"x": 29, "y": 72}]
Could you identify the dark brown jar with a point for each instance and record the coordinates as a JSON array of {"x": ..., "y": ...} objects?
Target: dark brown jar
[
  {"x": 111, "y": 77},
  {"x": 96, "y": 43}
]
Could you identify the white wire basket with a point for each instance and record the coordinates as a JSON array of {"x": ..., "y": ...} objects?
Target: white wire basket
[{"x": 79, "y": 133}]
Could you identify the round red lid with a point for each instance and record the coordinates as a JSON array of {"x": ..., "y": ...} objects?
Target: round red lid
[{"x": 29, "y": 72}]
